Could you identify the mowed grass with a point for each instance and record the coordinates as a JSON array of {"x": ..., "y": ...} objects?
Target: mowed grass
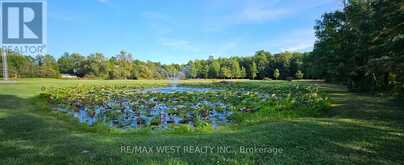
[{"x": 359, "y": 129}]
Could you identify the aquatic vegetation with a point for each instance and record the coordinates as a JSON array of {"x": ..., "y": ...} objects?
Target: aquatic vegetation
[{"x": 204, "y": 106}]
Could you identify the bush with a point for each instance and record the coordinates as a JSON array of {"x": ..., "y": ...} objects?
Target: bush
[
  {"x": 277, "y": 74},
  {"x": 299, "y": 74}
]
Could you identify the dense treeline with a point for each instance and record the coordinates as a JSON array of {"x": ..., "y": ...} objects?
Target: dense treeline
[
  {"x": 263, "y": 65},
  {"x": 20, "y": 66},
  {"x": 362, "y": 46}
]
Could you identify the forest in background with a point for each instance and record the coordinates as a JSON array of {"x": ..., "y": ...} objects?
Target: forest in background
[
  {"x": 263, "y": 65},
  {"x": 360, "y": 46}
]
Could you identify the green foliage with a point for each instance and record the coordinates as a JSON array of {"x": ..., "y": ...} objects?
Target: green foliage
[
  {"x": 276, "y": 74},
  {"x": 47, "y": 66},
  {"x": 193, "y": 71},
  {"x": 182, "y": 129},
  {"x": 243, "y": 73},
  {"x": 123, "y": 66},
  {"x": 254, "y": 70},
  {"x": 20, "y": 66},
  {"x": 97, "y": 66},
  {"x": 73, "y": 64},
  {"x": 235, "y": 69},
  {"x": 145, "y": 72},
  {"x": 361, "y": 45},
  {"x": 262, "y": 60},
  {"x": 299, "y": 74},
  {"x": 225, "y": 72},
  {"x": 214, "y": 69}
]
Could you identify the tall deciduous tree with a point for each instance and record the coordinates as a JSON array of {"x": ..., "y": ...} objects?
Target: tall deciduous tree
[
  {"x": 48, "y": 67},
  {"x": 214, "y": 69}
]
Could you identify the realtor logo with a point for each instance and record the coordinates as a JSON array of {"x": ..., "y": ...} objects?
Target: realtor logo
[{"x": 23, "y": 22}]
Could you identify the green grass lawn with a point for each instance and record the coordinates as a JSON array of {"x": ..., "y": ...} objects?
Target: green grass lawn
[{"x": 359, "y": 129}]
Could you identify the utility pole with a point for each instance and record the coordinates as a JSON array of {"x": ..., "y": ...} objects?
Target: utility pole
[{"x": 5, "y": 69}]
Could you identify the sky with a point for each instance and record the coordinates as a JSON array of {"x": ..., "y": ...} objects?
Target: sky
[{"x": 176, "y": 31}]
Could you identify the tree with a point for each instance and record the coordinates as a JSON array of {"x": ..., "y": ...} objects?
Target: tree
[
  {"x": 123, "y": 65},
  {"x": 97, "y": 66},
  {"x": 48, "y": 67},
  {"x": 72, "y": 64},
  {"x": 214, "y": 69},
  {"x": 66, "y": 64},
  {"x": 282, "y": 62},
  {"x": 145, "y": 73},
  {"x": 360, "y": 45},
  {"x": 262, "y": 61},
  {"x": 299, "y": 74},
  {"x": 253, "y": 70},
  {"x": 235, "y": 69},
  {"x": 225, "y": 72},
  {"x": 243, "y": 72},
  {"x": 205, "y": 71},
  {"x": 295, "y": 63},
  {"x": 276, "y": 74},
  {"x": 19, "y": 65},
  {"x": 113, "y": 69},
  {"x": 193, "y": 72}
]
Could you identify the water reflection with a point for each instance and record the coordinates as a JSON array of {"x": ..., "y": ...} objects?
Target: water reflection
[{"x": 160, "y": 115}]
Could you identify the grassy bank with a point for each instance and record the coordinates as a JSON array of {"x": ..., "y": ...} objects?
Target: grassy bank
[{"x": 359, "y": 129}]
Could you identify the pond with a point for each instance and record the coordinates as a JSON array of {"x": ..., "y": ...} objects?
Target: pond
[
  {"x": 211, "y": 105},
  {"x": 177, "y": 89},
  {"x": 156, "y": 107}
]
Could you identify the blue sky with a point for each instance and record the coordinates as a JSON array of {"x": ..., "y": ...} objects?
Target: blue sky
[{"x": 176, "y": 31}]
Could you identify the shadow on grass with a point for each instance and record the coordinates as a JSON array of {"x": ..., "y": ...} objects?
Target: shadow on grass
[
  {"x": 12, "y": 102},
  {"x": 386, "y": 110},
  {"x": 29, "y": 135}
]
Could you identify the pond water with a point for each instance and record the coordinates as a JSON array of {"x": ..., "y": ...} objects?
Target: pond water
[
  {"x": 160, "y": 114},
  {"x": 177, "y": 89}
]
